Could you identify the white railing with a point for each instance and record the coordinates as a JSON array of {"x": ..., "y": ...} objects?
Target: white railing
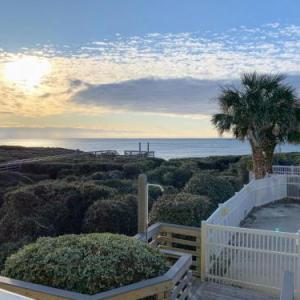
[
  {"x": 287, "y": 290},
  {"x": 293, "y": 186},
  {"x": 250, "y": 258},
  {"x": 286, "y": 170},
  {"x": 256, "y": 193}
]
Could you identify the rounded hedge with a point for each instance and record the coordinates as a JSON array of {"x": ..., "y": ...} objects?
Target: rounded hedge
[
  {"x": 86, "y": 263},
  {"x": 48, "y": 208},
  {"x": 117, "y": 215},
  {"x": 183, "y": 209},
  {"x": 217, "y": 188}
]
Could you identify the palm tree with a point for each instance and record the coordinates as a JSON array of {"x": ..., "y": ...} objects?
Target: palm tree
[
  {"x": 279, "y": 135},
  {"x": 263, "y": 111}
]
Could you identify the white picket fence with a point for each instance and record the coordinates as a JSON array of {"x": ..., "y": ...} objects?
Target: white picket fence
[
  {"x": 254, "y": 194},
  {"x": 286, "y": 170},
  {"x": 250, "y": 257}
]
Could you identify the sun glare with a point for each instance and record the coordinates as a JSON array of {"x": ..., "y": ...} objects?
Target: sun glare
[{"x": 27, "y": 72}]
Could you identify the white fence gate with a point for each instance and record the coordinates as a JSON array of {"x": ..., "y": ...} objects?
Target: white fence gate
[{"x": 249, "y": 257}]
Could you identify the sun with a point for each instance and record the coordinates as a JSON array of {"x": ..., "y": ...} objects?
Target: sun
[{"x": 27, "y": 72}]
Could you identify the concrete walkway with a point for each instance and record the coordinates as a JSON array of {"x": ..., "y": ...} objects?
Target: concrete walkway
[
  {"x": 213, "y": 291},
  {"x": 282, "y": 216}
]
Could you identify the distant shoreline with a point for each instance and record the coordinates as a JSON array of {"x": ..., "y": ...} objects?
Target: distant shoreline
[{"x": 163, "y": 148}]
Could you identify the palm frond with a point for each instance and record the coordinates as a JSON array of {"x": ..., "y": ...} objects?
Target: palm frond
[{"x": 222, "y": 122}]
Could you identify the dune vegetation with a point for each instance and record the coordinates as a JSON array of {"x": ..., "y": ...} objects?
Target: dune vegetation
[{"x": 88, "y": 194}]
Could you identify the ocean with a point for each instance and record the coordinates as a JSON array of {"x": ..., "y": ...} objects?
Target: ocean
[{"x": 164, "y": 148}]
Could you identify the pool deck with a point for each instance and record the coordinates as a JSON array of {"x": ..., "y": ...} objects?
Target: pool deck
[{"x": 282, "y": 216}]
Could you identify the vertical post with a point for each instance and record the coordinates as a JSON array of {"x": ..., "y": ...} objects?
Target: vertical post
[
  {"x": 148, "y": 147},
  {"x": 142, "y": 203},
  {"x": 140, "y": 147},
  {"x": 298, "y": 266},
  {"x": 203, "y": 254}
]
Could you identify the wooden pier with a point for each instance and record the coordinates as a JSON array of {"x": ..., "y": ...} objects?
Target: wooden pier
[{"x": 140, "y": 152}]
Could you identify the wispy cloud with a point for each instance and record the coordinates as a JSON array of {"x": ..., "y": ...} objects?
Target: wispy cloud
[{"x": 157, "y": 73}]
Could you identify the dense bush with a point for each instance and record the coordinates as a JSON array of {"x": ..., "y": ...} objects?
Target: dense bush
[
  {"x": 89, "y": 167},
  {"x": 117, "y": 215},
  {"x": 115, "y": 174},
  {"x": 33, "y": 207},
  {"x": 47, "y": 208},
  {"x": 51, "y": 169},
  {"x": 123, "y": 186},
  {"x": 287, "y": 159},
  {"x": 235, "y": 181},
  {"x": 170, "y": 175},
  {"x": 85, "y": 263},
  {"x": 10, "y": 180},
  {"x": 217, "y": 162},
  {"x": 132, "y": 170},
  {"x": 217, "y": 188},
  {"x": 6, "y": 249},
  {"x": 184, "y": 209},
  {"x": 18, "y": 152}
]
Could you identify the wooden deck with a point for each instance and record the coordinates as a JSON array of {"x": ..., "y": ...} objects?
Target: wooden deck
[{"x": 213, "y": 291}]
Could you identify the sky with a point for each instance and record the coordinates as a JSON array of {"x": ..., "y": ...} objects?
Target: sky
[{"x": 134, "y": 68}]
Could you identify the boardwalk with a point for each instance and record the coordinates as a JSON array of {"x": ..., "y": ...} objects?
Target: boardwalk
[{"x": 213, "y": 291}]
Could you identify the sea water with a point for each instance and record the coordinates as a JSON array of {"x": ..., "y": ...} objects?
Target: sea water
[{"x": 164, "y": 148}]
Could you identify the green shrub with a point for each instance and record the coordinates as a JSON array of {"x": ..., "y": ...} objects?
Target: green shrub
[
  {"x": 72, "y": 178},
  {"x": 51, "y": 169},
  {"x": 243, "y": 166},
  {"x": 47, "y": 208},
  {"x": 217, "y": 188},
  {"x": 87, "y": 264},
  {"x": 132, "y": 170},
  {"x": 235, "y": 181},
  {"x": 6, "y": 249},
  {"x": 184, "y": 209},
  {"x": 170, "y": 175},
  {"x": 10, "y": 180},
  {"x": 86, "y": 168},
  {"x": 287, "y": 159},
  {"x": 123, "y": 186},
  {"x": 117, "y": 215},
  {"x": 115, "y": 174}
]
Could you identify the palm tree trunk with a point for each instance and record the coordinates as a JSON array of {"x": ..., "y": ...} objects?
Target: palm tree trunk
[
  {"x": 258, "y": 160},
  {"x": 269, "y": 154},
  {"x": 258, "y": 163}
]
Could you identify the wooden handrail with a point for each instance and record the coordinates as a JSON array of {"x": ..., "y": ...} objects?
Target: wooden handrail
[{"x": 164, "y": 285}]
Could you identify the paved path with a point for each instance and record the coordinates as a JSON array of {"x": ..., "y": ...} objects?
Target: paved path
[
  {"x": 213, "y": 291},
  {"x": 280, "y": 215}
]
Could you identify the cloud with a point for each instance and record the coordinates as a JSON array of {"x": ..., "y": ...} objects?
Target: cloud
[
  {"x": 174, "y": 96},
  {"x": 158, "y": 73},
  {"x": 182, "y": 96}
]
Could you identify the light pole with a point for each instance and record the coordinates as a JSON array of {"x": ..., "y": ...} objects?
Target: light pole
[{"x": 143, "y": 191}]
